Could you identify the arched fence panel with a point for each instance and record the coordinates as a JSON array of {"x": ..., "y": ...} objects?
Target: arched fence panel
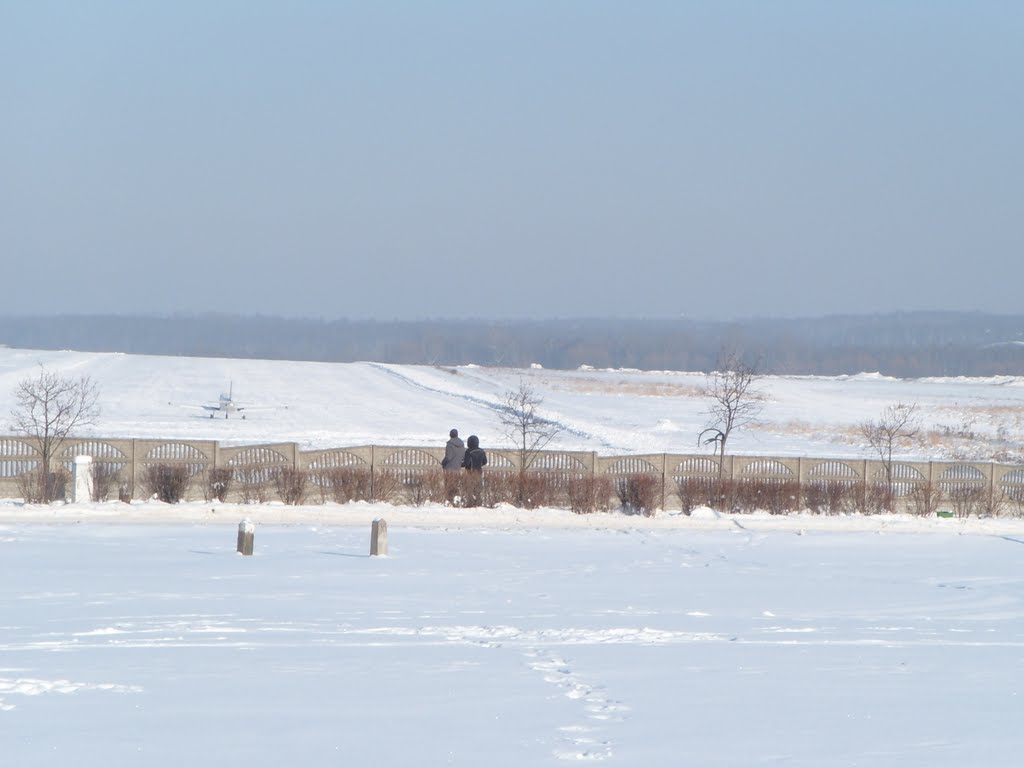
[
  {"x": 16, "y": 458},
  {"x": 987, "y": 485}
]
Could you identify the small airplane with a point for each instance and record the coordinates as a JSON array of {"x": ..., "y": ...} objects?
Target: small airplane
[{"x": 227, "y": 405}]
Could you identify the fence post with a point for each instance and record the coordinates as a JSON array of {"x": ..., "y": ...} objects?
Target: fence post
[
  {"x": 379, "y": 537},
  {"x": 246, "y": 534},
  {"x": 82, "y": 480}
]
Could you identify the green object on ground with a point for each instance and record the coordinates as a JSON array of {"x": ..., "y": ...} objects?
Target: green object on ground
[{"x": 944, "y": 513}]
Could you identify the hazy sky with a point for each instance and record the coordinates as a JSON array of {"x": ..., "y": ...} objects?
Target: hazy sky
[{"x": 511, "y": 159}]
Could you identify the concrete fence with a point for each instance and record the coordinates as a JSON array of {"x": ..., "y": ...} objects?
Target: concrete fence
[{"x": 128, "y": 459}]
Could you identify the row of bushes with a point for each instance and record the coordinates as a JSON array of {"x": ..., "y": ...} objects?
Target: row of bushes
[
  {"x": 837, "y": 497},
  {"x": 171, "y": 483},
  {"x": 583, "y": 494}
]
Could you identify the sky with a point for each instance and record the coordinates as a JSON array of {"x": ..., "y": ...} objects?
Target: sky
[{"x": 410, "y": 160}]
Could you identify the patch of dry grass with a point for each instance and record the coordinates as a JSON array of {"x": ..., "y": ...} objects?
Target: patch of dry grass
[{"x": 632, "y": 388}]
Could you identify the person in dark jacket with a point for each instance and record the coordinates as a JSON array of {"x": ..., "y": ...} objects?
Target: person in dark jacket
[
  {"x": 454, "y": 451},
  {"x": 475, "y": 457},
  {"x": 474, "y": 461}
]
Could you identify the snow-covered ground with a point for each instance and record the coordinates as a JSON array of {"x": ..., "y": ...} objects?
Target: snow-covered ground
[
  {"x": 158, "y": 645},
  {"x": 326, "y": 405},
  {"x": 135, "y": 635}
]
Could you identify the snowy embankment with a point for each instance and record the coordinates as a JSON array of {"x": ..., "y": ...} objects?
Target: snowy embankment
[{"x": 435, "y": 516}]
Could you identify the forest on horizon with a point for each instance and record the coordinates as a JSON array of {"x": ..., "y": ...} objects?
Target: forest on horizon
[{"x": 908, "y": 345}]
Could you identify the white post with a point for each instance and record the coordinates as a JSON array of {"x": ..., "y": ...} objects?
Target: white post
[
  {"x": 82, "y": 479},
  {"x": 246, "y": 534},
  {"x": 379, "y": 537}
]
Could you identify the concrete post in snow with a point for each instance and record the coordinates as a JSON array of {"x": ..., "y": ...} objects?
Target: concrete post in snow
[
  {"x": 379, "y": 537},
  {"x": 246, "y": 533},
  {"x": 82, "y": 479}
]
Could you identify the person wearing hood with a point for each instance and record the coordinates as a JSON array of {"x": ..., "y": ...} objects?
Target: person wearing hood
[
  {"x": 454, "y": 451},
  {"x": 475, "y": 457},
  {"x": 474, "y": 461}
]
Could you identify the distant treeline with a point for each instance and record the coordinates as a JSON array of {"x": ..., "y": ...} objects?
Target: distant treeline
[{"x": 898, "y": 344}]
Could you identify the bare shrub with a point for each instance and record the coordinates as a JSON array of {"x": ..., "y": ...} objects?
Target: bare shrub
[
  {"x": 696, "y": 492},
  {"x": 291, "y": 484},
  {"x": 877, "y": 498},
  {"x": 745, "y": 496},
  {"x": 254, "y": 482},
  {"x": 924, "y": 499},
  {"x": 35, "y": 490},
  {"x": 217, "y": 482},
  {"x": 783, "y": 497},
  {"x": 489, "y": 489},
  {"x": 589, "y": 494},
  {"x": 538, "y": 489},
  {"x": 831, "y": 497},
  {"x": 428, "y": 486},
  {"x": 639, "y": 494},
  {"x": 168, "y": 482},
  {"x": 105, "y": 477},
  {"x": 1014, "y": 499},
  {"x": 725, "y": 495},
  {"x": 345, "y": 484},
  {"x": 774, "y": 496},
  {"x": 965, "y": 500},
  {"x": 452, "y": 487},
  {"x": 387, "y": 486},
  {"x": 992, "y": 505}
]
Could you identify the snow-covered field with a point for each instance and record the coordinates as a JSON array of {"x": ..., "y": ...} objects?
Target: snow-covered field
[
  {"x": 135, "y": 635},
  {"x": 159, "y": 646},
  {"x": 326, "y": 405}
]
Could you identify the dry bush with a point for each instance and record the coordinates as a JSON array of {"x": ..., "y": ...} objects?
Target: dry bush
[
  {"x": 1014, "y": 500},
  {"x": 34, "y": 490},
  {"x": 993, "y": 505},
  {"x": 291, "y": 484},
  {"x": 777, "y": 497},
  {"x": 387, "y": 486},
  {"x": 696, "y": 492},
  {"x": 488, "y": 489},
  {"x": 168, "y": 482},
  {"x": 877, "y": 499},
  {"x": 429, "y": 486},
  {"x": 539, "y": 489},
  {"x": 745, "y": 496},
  {"x": 590, "y": 494},
  {"x": 344, "y": 484},
  {"x": 254, "y": 482},
  {"x": 452, "y": 482},
  {"x": 217, "y": 483},
  {"x": 831, "y": 497},
  {"x": 639, "y": 494},
  {"x": 480, "y": 489},
  {"x": 105, "y": 476},
  {"x": 924, "y": 499},
  {"x": 966, "y": 500}
]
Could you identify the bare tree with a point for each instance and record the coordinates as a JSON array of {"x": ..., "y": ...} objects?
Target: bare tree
[
  {"x": 897, "y": 426},
  {"x": 48, "y": 407},
  {"x": 735, "y": 400},
  {"x": 524, "y": 426}
]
